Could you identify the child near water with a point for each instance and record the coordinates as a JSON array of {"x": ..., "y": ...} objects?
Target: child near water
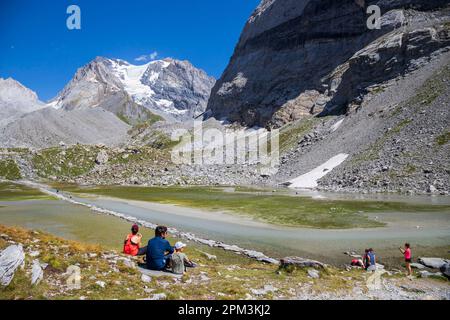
[{"x": 408, "y": 258}]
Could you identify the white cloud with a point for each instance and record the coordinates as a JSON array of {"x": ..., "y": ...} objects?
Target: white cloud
[
  {"x": 154, "y": 55},
  {"x": 149, "y": 57}
]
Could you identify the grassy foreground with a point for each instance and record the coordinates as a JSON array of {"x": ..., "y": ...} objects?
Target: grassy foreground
[
  {"x": 226, "y": 277},
  {"x": 265, "y": 206}
]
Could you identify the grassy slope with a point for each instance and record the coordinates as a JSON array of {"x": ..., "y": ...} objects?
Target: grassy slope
[
  {"x": 227, "y": 277},
  {"x": 268, "y": 207},
  {"x": 9, "y": 170}
]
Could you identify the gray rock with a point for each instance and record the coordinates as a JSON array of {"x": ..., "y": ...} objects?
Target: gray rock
[
  {"x": 34, "y": 254},
  {"x": 267, "y": 289},
  {"x": 145, "y": 278},
  {"x": 312, "y": 273},
  {"x": 417, "y": 266},
  {"x": 37, "y": 274},
  {"x": 159, "y": 296},
  {"x": 298, "y": 262},
  {"x": 10, "y": 259},
  {"x": 427, "y": 274},
  {"x": 434, "y": 263},
  {"x": 445, "y": 269},
  {"x": 102, "y": 157},
  {"x": 101, "y": 284},
  {"x": 157, "y": 274},
  {"x": 208, "y": 256}
]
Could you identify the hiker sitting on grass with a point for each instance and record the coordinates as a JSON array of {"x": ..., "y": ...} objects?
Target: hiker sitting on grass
[
  {"x": 159, "y": 250},
  {"x": 408, "y": 258},
  {"x": 180, "y": 260},
  {"x": 132, "y": 243}
]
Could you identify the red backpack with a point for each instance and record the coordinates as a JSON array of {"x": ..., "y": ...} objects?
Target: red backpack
[{"x": 129, "y": 247}]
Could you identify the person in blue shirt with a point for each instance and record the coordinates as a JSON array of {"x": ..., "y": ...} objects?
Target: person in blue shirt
[
  {"x": 372, "y": 260},
  {"x": 159, "y": 250}
]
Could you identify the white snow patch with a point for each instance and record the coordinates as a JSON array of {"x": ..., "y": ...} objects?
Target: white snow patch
[
  {"x": 130, "y": 76},
  {"x": 309, "y": 180},
  {"x": 54, "y": 104},
  {"x": 336, "y": 126}
]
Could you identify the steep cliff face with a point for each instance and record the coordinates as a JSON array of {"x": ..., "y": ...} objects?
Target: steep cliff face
[{"x": 299, "y": 57}]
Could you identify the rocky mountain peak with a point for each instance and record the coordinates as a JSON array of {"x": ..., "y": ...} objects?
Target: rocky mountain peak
[
  {"x": 16, "y": 100},
  {"x": 12, "y": 90},
  {"x": 172, "y": 89}
]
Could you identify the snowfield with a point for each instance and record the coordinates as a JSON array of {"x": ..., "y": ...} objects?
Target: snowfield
[{"x": 309, "y": 180}]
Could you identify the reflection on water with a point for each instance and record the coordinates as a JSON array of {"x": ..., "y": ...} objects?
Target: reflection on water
[{"x": 66, "y": 221}]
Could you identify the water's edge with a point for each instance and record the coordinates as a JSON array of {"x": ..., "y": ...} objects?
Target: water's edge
[{"x": 259, "y": 256}]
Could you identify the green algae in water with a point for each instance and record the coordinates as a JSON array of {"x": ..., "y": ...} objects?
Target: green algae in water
[
  {"x": 276, "y": 209},
  {"x": 16, "y": 192}
]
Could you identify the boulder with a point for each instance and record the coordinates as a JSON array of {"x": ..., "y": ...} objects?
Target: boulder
[
  {"x": 417, "y": 266},
  {"x": 157, "y": 274},
  {"x": 313, "y": 273},
  {"x": 434, "y": 263},
  {"x": 445, "y": 269},
  {"x": 298, "y": 262},
  {"x": 37, "y": 274},
  {"x": 207, "y": 255},
  {"x": 102, "y": 158},
  {"x": 159, "y": 296},
  {"x": 145, "y": 278},
  {"x": 10, "y": 259},
  {"x": 427, "y": 274}
]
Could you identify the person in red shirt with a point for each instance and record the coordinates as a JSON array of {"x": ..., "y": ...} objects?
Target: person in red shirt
[
  {"x": 408, "y": 257},
  {"x": 132, "y": 243}
]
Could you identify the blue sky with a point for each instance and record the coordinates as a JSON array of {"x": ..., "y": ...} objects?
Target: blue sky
[{"x": 37, "y": 49}]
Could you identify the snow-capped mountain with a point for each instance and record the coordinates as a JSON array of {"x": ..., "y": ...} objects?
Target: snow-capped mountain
[
  {"x": 16, "y": 100},
  {"x": 173, "y": 89}
]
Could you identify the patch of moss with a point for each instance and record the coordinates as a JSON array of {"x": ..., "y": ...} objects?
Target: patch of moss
[
  {"x": 443, "y": 139},
  {"x": 410, "y": 169},
  {"x": 9, "y": 170},
  {"x": 272, "y": 208},
  {"x": 15, "y": 192}
]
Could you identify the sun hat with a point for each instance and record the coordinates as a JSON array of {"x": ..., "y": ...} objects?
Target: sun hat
[{"x": 179, "y": 245}]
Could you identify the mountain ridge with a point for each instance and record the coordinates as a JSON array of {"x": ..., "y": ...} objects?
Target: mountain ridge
[{"x": 170, "y": 88}]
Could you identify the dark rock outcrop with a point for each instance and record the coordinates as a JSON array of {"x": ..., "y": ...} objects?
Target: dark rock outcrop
[{"x": 318, "y": 56}]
